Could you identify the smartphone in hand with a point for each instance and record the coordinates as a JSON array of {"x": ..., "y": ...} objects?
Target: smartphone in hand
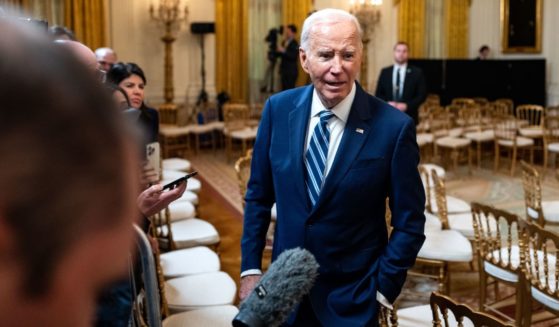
[{"x": 176, "y": 182}]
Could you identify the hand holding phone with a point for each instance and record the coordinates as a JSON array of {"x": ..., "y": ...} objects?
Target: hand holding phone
[{"x": 176, "y": 182}]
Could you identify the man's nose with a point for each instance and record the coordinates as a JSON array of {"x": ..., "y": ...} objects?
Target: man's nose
[{"x": 336, "y": 65}]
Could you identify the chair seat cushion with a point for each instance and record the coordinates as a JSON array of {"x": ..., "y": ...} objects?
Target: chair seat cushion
[
  {"x": 192, "y": 232},
  {"x": 553, "y": 147},
  {"x": 171, "y": 175},
  {"x": 462, "y": 222},
  {"x": 483, "y": 136},
  {"x": 432, "y": 222},
  {"x": 181, "y": 210},
  {"x": 453, "y": 142},
  {"x": 218, "y": 316},
  {"x": 244, "y": 134},
  {"x": 545, "y": 299},
  {"x": 189, "y": 197},
  {"x": 192, "y": 261},
  {"x": 520, "y": 142},
  {"x": 551, "y": 210},
  {"x": 502, "y": 273},
  {"x": 422, "y": 316},
  {"x": 201, "y": 129},
  {"x": 217, "y": 125},
  {"x": 425, "y": 138},
  {"x": 531, "y": 132},
  {"x": 199, "y": 291},
  {"x": 176, "y": 164},
  {"x": 446, "y": 245},
  {"x": 453, "y": 205},
  {"x": 172, "y": 130}
]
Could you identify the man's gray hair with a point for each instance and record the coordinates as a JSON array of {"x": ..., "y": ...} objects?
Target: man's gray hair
[{"x": 328, "y": 14}]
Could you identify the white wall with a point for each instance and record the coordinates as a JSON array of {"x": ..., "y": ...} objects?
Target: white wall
[{"x": 136, "y": 38}]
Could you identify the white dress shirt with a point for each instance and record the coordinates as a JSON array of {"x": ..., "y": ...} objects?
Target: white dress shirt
[{"x": 336, "y": 125}]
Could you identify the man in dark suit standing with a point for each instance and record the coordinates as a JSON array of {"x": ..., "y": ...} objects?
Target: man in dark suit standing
[
  {"x": 329, "y": 154},
  {"x": 289, "y": 55},
  {"x": 402, "y": 85}
]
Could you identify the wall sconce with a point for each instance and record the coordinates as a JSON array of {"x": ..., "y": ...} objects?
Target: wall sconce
[
  {"x": 367, "y": 13},
  {"x": 169, "y": 15}
]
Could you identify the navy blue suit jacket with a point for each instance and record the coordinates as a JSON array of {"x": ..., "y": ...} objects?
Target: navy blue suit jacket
[
  {"x": 415, "y": 90},
  {"x": 345, "y": 230}
]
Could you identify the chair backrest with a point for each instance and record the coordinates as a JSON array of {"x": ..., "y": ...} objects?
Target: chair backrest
[
  {"x": 538, "y": 257},
  {"x": 469, "y": 116},
  {"x": 256, "y": 110},
  {"x": 441, "y": 304},
  {"x": 531, "y": 113},
  {"x": 505, "y": 128},
  {"x": 496, "y": 234},
  {"x": 439, "y": 121},
  {"x": 387, "y": 317},
  {"x": 531, "y": 183},
  {"x": 481, "y": 101},
  {"x": 440, "y": 198},
  {"x": 149, "y": 309},
  {"x": 433, "y": 99},
  {"x": 509, "y": 105},
  {"x": 242, "y": 167},
  {"x": 235, "y": 115},
  {"x": 161, "y": 229},
  {"x": 462, "y": 102},
  {"x": 427, "y": 186},
  {"x": 551, "y": 128}
]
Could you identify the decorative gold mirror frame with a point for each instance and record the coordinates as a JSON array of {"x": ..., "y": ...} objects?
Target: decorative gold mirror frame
[{"x": 505, "y": 28}]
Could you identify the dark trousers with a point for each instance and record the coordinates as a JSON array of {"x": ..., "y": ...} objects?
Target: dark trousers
[{"x": 305, "y": 316}]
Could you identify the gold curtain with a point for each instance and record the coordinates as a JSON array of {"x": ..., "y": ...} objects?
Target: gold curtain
[
  {"x": 87, "y": 19},
  {"x": 456, "y": 28},
  {"x": 411, "y": 25},
  {"x": 295, "y": 12},
  {"x": 231, "y": 33}
]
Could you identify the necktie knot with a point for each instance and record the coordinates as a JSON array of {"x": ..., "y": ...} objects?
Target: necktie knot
[{"x": 325, "y": 115}]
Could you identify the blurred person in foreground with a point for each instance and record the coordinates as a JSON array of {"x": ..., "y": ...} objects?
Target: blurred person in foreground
[
  {"x": 329, "y": 155},
  {"x": 68, "y": 181}
]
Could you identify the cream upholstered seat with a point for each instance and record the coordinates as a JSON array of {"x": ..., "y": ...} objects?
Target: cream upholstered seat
[
  {"x": 191, "y": 261},
  {"x": 454, "y": 204},
  {"x": 199, "y": 291},
  {"x": 505, "y": 129},
  {"x": 432, "y": 222},
  {"x": 181, "y": 210},
  {"x": 422, "y": 316},
  {"x": 176, "y": 164},
  {"x": 218, "y": 316},
  {"x": 194, "y": 184},
  {"x": 191, "y": 232},
  {"x": 480, "y": 137},
  {"x": 170, "y": 175},
  {"x": 189, "y": 197},
  {"x": 446, "y": 245}
]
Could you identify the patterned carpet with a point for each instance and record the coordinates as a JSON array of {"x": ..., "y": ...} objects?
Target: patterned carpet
[{"x": 483, "y": 185}]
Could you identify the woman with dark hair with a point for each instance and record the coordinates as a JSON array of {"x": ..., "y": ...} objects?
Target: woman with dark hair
[{"x": 130, "y": 77}]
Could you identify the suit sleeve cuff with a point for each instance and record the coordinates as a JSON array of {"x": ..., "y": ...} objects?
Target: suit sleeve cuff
[
  {"x": 251, "y": 272},
  {"x": 382, "y": 300}
]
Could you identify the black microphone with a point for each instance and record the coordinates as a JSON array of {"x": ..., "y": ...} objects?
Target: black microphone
[{"x": 288, "y": 279}]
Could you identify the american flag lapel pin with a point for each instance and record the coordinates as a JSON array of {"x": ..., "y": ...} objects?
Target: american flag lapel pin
[{"x": 359, "y": 130}]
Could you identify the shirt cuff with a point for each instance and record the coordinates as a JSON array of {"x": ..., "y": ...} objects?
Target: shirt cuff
[
  {"x": 382, "y": 300},
  {"x": 251, "y": 272}
]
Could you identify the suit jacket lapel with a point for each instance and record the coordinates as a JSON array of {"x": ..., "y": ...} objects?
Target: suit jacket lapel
[
  {"x": 355, "y": 133},
  {"x": 407, "y": 81},
  {"x": 298, "y": 124}
]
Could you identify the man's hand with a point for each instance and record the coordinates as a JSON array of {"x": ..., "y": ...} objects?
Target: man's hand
[
  {"x": 153, "y": 200},
  {"x": 248, "y": 283},
  {"x": 401, "y": 106}
]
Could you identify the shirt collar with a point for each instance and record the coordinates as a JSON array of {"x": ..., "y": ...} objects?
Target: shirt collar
[
  {"x": 404, "y": 66},
  {"x": 341, "y": 110}
]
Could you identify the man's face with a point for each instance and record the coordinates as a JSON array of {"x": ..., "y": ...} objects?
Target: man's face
[
  {"x": 401, "y": 54},
  {"x": 333, "y": 59},
  {"x": 106, "y": 60}
]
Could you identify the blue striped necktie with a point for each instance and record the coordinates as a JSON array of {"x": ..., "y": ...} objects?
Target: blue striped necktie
[{"x": 316, "y": 155}]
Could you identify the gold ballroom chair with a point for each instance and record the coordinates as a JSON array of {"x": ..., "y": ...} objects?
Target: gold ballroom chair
[
  {"x": 542, "y": 212},
  {"x": 540, "y": 267},
  {"x": 506, "y": 137},
  {"x": 238, "y": 127},
  {"x": 498, "y": 254}
]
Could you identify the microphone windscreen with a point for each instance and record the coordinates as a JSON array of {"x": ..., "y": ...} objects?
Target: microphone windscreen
[{"x": 288, "y": 279}]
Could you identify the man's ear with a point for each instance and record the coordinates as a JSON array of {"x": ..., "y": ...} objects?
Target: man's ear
[{"x": 303, "y": 58}]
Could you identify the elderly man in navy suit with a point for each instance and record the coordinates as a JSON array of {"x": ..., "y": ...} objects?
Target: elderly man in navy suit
[
  {"x": 329, "y": 155},
  {"x": 402, "y": 85}
]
